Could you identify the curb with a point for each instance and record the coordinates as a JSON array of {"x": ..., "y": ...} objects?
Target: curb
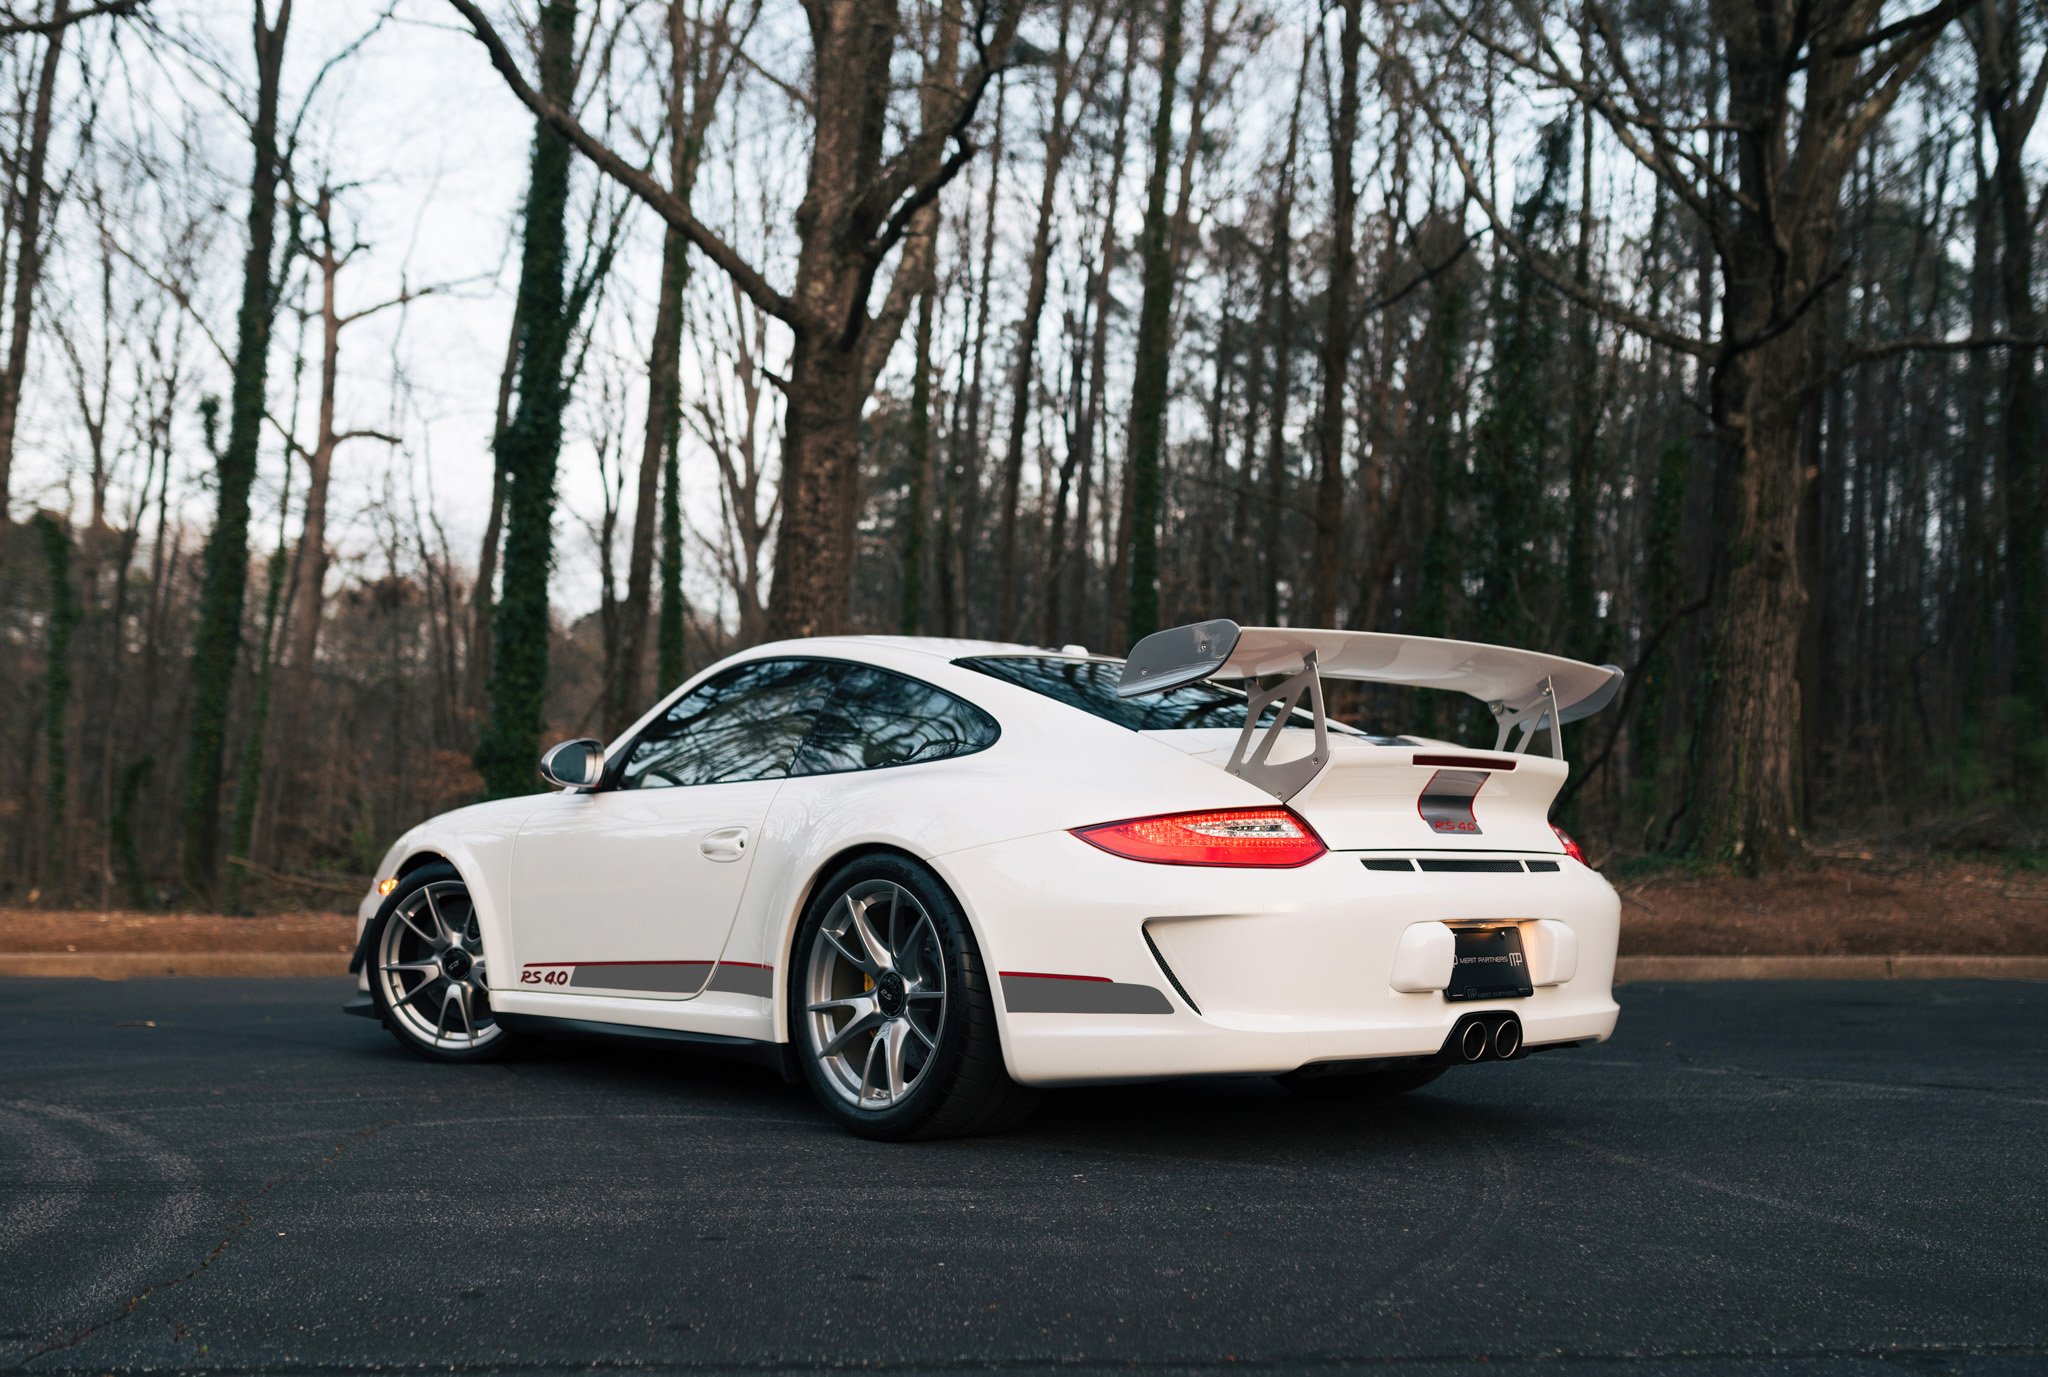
[
  {"x": 99, "y": 965},
  {"x": 1636, "y": 969}
]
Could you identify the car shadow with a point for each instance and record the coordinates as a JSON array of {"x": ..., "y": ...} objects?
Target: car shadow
[
  {"x": 1213, "y": 1119},
  {"x": 1243, "y": 1119}
]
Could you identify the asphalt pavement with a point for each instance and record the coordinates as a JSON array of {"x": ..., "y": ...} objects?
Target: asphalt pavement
[{"x": 1751, "y": 1177}]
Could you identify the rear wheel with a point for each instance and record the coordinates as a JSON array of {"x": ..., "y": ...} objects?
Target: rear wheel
[
  {"x": 1344, "y": 1083},
  {"x": 428, "y": 972},
  {"x": 894, "y": 1017}
]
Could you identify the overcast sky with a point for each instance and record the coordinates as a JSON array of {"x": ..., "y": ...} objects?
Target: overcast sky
[{"x": 429, "y": 151}]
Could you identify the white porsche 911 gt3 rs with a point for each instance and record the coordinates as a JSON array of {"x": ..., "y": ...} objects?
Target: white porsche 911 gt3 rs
[{"x": 929, "y": 876}]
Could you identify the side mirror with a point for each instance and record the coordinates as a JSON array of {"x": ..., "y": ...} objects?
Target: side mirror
[{"x": 577, "y": 764}]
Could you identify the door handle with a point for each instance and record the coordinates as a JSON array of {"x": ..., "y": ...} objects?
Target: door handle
[{"x": 726, "y": 844}]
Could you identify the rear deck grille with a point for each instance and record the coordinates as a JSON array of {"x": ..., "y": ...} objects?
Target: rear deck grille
[{"x": 1463, "y": 865}]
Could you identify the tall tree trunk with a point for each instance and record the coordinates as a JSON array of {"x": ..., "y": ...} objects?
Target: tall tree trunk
[
  {"x": 1777, "y": 255},
  {"x": 1069, "y": 567},
  {"x": 669, "y": 655},
  {"x": 1334, "y": 355},
  {"x": 1153, "y": 354},
  {"x": 697, "y": 72},
  {"x": 860, "y": 202},
  {"x": 28, "y": 260},
  {"x": 963, "y": 489},
  {"x": 1058, "y": 137},
  {"x": 308, "y": 594},
  {"x": 840, "y": 346},
  {"x": 1280, "y": 291},
  {"x": 916, "y": 501},
  {"x": 925, "y": 229},
  {"x": 217, "y": 645},
  {"x": 2014, "y": 105},
  {"x": 1579, "y": 610},
  {"x": 664, "y": 420},
  {"x": 1750, "y": 792},
  {"x": 810, "y": 593},
  {"x": 532, "y": 444},
  {"x": 483, "y": 602},
  {"x": 249, "y": 776},
  {"x": 64, "y": 619}
]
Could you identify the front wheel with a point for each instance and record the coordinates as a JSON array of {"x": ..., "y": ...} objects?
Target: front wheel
[
  {"x": 428, "y": 971},
  {"x": 893, "y": 1013}
]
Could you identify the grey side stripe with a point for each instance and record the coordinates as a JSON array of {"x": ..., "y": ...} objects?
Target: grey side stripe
[
  {"x": 746, "y": 980},
  {"x": 647, "y": 977},
  {"x": 1038, "y": 994},
  {"x": 669, "y": 977}
]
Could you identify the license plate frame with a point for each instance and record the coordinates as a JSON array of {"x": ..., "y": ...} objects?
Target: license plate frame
[{"x": 1488, "y": 963}]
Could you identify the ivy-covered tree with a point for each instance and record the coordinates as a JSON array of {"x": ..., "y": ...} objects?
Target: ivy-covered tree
[
  {"x": 217, "y": 646},
  {"x": 531, "y": 446}
]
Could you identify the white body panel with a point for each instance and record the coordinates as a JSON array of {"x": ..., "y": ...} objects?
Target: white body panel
[
  {"x": 1265, "y": 970},
  {"x": 633, "y": 891},
  {"x": 1490, "y": 673}
]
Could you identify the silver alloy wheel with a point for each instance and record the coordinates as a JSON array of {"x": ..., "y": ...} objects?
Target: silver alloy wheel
[
  {"x": 875, "y": 994},
  {"x": 431, "y": 964}
]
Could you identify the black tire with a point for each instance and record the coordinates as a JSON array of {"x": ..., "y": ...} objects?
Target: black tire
[
  {"x": 960, "y": 1088},
  {"x": 409, "y": 931},
  {"x": 1335, "y": 1083}
]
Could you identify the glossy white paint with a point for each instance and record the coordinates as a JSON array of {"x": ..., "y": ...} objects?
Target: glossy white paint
[
  {"x": 1275, "y": 968},
  {"x": 603, "y": 880},
  {"x": 1490, "y": 673}
]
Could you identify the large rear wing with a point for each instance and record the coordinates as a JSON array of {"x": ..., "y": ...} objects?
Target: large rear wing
[{"x": 1525, "y": 690}]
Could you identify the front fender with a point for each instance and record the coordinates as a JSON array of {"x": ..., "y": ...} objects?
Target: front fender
[{"x": 478, "y": 842}]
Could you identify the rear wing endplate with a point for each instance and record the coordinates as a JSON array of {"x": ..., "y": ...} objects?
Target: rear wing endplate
[{"x": 1525, "y": 691}]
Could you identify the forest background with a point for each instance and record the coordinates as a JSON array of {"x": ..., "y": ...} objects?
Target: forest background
[{"x": 389, "y": 389}]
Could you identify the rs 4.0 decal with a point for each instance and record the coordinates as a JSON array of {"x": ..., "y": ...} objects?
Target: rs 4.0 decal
[{"x": 557, "y": 976}]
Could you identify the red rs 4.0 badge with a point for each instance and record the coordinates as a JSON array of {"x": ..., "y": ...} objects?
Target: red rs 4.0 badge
[{"x": 1446, "y": 803}]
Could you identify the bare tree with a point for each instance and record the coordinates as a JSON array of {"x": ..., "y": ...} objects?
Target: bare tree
[
  {"x": 1804, "y": 88},
  {"x": 858, "y": 209},
  {"x": 218, "y": 643},
  {"x": 2011, "y": 102},
  {"x": 26, "y": 202},
  {"x": 701, "y": 57},
  {"x": 1070, "y": 80},
  {"x": 1334, "y": 356}
]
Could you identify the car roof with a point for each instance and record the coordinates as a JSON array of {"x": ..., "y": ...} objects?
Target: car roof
[
  {"x": 930, "y": 658},
  {"x": 884, "y": 649}
]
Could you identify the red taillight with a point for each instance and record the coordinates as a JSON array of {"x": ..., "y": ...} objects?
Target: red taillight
[
  {"x": 1272, "y": 838},
  {"x": 1571, "y": 848}
]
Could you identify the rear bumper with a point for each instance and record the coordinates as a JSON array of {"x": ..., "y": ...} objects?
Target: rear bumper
[{"x": 1203, "y": 971}]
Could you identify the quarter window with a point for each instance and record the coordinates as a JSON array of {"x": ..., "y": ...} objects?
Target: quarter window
[
  {"x": 746, "y": 723},
  {"x": 878, "y": 719}
]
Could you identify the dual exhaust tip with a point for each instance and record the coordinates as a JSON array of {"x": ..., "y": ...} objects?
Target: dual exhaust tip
[{"x": 1482, "y": 1037}]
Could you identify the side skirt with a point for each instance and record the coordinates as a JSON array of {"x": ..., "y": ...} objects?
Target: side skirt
[{"x": 777, "y": 1056}]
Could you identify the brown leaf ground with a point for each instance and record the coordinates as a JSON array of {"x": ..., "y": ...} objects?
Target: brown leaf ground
[
  {"x": 1839, "y": 908},
  {"x": 66, "y": 931}
]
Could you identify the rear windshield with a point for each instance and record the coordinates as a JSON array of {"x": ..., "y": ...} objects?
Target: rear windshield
[{"x": 1090, "y": 685}]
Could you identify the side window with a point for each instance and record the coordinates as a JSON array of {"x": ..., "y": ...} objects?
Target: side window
[
  {"x": 879, "y": 719},
  {"x": 744, "y": 724}
]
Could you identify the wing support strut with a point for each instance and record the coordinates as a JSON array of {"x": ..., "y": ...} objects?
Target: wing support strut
[
  {"x": 1253, "y": 763},
  {"x": 1532, "y": 717}
]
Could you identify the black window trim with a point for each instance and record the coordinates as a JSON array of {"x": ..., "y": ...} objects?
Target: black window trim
[{"x": 615, "y": 766}]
